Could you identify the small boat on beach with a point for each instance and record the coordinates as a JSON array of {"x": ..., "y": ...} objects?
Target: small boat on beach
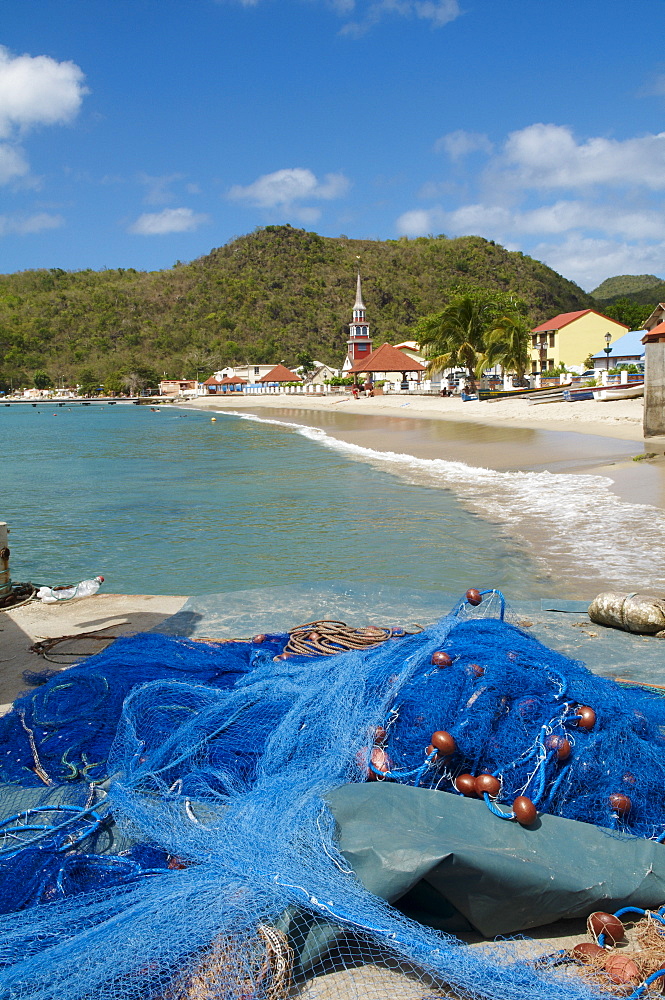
[
  {"x": 576, "y": 395},
  {"x": 607, "y": 392}
]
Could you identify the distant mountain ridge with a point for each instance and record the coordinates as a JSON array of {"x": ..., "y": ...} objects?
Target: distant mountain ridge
[
  {"x": 262, "y": 297},
  {"x": 642, "y": 288}
]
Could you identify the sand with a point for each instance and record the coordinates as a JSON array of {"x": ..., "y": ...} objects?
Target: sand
[
  {"x": 507, "y": 435},
  {"x": 616, "y": 418}
]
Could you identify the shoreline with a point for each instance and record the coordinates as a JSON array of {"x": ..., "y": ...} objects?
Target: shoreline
[
  {"x": 620, "y": 419},
  {"x": 588, "y": 437}
]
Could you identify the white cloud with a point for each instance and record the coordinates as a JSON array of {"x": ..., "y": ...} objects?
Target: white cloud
[
  {"x": 158, "y": 192},
  {"x": 499, "y": 222},
  {"x": 284, "y": 188},
  {"x": 34, "y": 90},
  {"x": 460, "y": 143},
  {"x": 589, "y": 261},
  {"x": 24, "y": 225},
  {"x": 548, "y": 156},
  {"x": 437, "y": 12},
  {"x": 12, "y": 163},
  {"x": 369, "y": 12},
  {"x": 655, "y": 87},
  {"x": 615, "y": 225},
  {"x": 170, "y": 220},
  {"x": 418, "y": 222},
  {"x": 37, "y": 90}
]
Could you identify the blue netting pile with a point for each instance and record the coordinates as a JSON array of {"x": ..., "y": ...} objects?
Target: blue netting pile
[{"x": 163, "y": 834}]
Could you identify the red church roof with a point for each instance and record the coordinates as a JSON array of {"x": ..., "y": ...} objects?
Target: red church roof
[
  {"x": 563, "y": 319},
  {"x": 387, "y": 359},
  {"x": 280, "y": 373}
]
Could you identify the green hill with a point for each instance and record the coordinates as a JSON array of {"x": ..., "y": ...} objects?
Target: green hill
[
  {"x": 262, "y": 297},
  {"x": 644, "y": 288}
]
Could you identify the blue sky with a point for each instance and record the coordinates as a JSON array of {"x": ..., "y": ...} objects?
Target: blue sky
[{"x": 134, "y": 133}]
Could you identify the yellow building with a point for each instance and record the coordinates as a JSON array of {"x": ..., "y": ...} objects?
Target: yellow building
[{"x": 570, "y": 338}]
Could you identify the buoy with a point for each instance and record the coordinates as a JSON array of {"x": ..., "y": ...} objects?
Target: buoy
[
  {"x": 525, "y": 811},
  {"x": 620, "y": 804},
  {"x": 587, "y": 951},
  {"x": 381, "y": 761},
  {"x": 441, "y": 659},
  {"x": 487, "y": 783},
  {"x": 607, "y": 924},
  {"x": 380, "y": 735},
  {"x": 473, "y": 596},
  {"x": 587, "y": 717},
  {"x": 213, "y": 420},
  {"x": 466, "y": 784},
  {"x": 443, "y": 742},
  {"x": 622, "y": 969},
  {"x": 560, "y": 744}
]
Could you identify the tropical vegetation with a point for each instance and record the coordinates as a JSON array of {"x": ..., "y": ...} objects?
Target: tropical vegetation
[
  {"x": 477, "y": 330},
  {"x": 631, "y": 297},
  {"x": 264, "y": 297}
]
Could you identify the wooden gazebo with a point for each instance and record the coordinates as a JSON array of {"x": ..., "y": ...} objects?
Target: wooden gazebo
[
  {"x": 387, "y": 360},
  {"x": 280, "y": 373},
  {"x": 227, "y": 384}
]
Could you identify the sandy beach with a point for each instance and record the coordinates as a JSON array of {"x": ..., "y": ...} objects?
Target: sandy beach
[
  {"x": 508, "y": 435},
  {"x": 617, "y": 418}
]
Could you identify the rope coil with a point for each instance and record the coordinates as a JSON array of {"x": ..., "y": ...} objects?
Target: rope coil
[{"x": 327, "y": 637}]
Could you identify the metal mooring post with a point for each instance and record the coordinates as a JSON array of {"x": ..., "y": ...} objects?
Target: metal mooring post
[{"x": 5, "y": 581}]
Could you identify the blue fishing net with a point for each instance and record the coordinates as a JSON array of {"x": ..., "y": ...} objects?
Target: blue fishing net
[{"x": 163, "y": 833}]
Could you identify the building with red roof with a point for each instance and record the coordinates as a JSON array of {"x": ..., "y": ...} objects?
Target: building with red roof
[
  {"x": 385, "y": 361},
  {"x": 280, "y": 373},
  {"x": 570, "y": 338}
]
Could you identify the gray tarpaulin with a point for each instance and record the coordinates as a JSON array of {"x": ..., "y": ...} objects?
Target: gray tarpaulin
[
  {"x": 442, "y": 858},
  {"x": 449, "y": 862}
]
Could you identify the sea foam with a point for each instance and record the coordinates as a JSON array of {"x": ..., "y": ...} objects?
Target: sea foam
[{"x": 565, "y": 519}]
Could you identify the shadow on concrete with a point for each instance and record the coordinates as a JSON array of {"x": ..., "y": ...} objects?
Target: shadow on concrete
[{"x": 35, "y": 623}]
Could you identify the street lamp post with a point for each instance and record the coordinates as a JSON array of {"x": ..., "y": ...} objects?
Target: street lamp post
[{"x": 607, "y": 348}]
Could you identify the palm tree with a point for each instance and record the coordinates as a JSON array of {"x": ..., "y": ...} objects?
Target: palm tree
[
  {"x": 456, "y": 336},
  {"x": 507, "y": 344}
]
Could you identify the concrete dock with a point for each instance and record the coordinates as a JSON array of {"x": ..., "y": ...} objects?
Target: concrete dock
[{"x": 108, "y": 616}]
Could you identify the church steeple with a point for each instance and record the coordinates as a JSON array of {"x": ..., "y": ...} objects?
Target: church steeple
[
  {"x": 359, "y": 344},
  {"x": 359, "y": 305}
]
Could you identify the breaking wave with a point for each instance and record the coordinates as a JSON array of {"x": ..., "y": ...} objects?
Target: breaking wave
[{"x": 565, "y": 518}]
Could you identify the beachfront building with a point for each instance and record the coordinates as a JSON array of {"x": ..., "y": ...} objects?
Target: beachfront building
[
  {"x": 656, "y": 317},
  {"x": 279, "y": 374},
  {"x": 319, "y": 375},
  {"x": 412, "y": 349},
  {"x": 627, "y": 350},
  {"x": 384, "y": 363},
  {"x": 249, "y": 373},
  {"x": 179, "y": 387},
  {"x": 570, "y": 338},
  {"x": 359, "y": 344},
  {"x": 654, "y": 393},
  {"x": 219, "y": 384}
]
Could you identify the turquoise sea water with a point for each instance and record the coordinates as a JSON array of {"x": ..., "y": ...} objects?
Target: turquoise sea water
[{"x": 173, "y": 503}]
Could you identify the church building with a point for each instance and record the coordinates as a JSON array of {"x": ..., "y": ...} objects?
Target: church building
[{"x": 359, "y": 344}]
